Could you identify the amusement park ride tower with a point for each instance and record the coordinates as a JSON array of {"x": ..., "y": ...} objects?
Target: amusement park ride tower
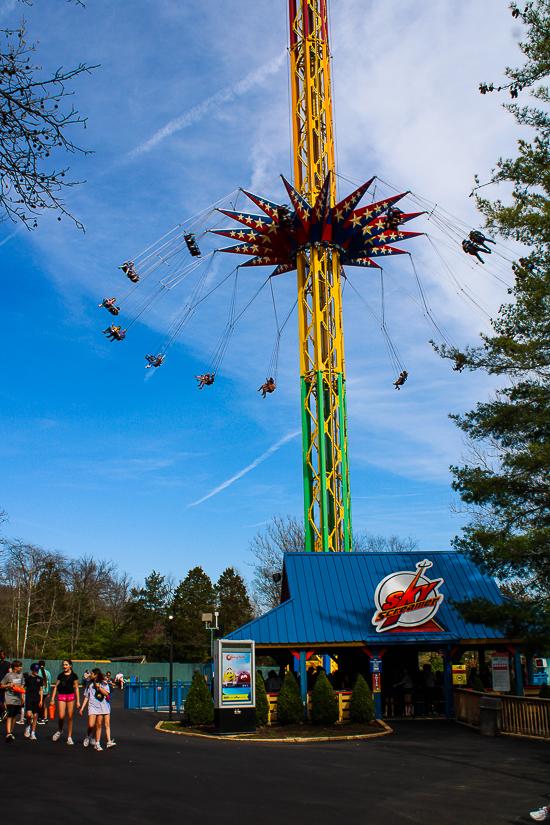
[
  {"x": 323, "y": 384},
  {"x": 315, "y": 239}
]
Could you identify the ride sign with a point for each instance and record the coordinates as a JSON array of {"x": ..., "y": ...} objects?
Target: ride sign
[{"x": 408, "y": 600}]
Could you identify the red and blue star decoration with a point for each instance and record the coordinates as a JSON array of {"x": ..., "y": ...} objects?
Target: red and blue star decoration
[{"x": 276, "y": 237}]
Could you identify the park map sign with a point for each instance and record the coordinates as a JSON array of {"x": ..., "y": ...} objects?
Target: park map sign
[{"x": 408, "y": 600}]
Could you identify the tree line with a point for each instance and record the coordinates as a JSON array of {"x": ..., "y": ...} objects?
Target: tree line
[{"x": 52, "y": 606}]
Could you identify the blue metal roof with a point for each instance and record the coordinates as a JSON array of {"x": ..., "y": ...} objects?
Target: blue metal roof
[{"x": 331, "y": 600}]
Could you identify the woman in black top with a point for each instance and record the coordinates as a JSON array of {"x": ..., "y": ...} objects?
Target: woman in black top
[{"x": 66, "y": 688}]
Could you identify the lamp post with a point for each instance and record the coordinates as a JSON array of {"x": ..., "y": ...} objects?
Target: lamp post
[{"x": 171, "y": 620}]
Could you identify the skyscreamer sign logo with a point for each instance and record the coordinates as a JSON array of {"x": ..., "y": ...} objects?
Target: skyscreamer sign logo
[{"x": 408, "y": 601}]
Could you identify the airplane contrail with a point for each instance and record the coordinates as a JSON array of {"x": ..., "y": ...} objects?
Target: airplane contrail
[
  {"x": 201, "y": 109},
  {"x": 254, "y": 464}
]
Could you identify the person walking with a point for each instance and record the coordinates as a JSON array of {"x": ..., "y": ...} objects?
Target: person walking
[
  {"x": 66, "y": 688},
  {"x": 13, "y": 688},
  {"x": 47, "y": 686},
  {"x": 98, "y": 698},
  {"x": 5, "y": 667},
  {"x": 34, "y": 687}
]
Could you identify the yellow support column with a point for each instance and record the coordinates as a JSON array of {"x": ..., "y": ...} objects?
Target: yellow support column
[{"x": 326, "y": 473}]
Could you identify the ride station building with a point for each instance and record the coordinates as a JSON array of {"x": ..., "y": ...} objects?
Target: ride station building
[{"x": 374, "y": 613}]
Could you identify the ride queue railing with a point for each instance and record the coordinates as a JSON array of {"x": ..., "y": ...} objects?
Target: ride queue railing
[
  {"x": 521, "y": 715},
  {"x": 154, "y": 695}
]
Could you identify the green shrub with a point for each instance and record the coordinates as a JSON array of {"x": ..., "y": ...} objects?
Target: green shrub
[
  {"x": 290, "y": 708},
  {"x": 324, "y": 704},
  {"x": 262, "y": 705},
  {"x": 477, "y": 684},
  {"x": 199, "y": 707},
  {"x": 513, "y": 687},
  {"x": 361, "y": 705},
  {"x": 544, "y": 692}
]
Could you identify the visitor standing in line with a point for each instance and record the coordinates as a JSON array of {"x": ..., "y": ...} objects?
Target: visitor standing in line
[
  {"x": 34, "y": 687},
  {"x": 97, "y": 696},
  {"x": 47, "y": 686},
  {"x": 13, "y": 688},
  {"x": 66, "y": 688}
]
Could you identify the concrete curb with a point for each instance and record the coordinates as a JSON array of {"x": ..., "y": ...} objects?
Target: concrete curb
[{"x": 296, "y": 740}]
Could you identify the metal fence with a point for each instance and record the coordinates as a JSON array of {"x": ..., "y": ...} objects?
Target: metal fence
[
  {"x": 521, "y": 715},
  {"x": 154, "y": 695}
]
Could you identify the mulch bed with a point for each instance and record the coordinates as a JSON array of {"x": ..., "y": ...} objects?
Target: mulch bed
[{"x": 282, "y": 732}]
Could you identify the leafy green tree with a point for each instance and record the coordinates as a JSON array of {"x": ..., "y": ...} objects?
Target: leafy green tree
[
  {"x": 505, "y": 485},
  {"x": 290, "y": 708},
  {"x": 192, "y": 597},
  {"x": 199, "y": 707},
  {"x": 233, "y": 601},
  {"x": 262, "y": 704},
  {"x": 324, "y": 704},
  {"x": 361, "y": 706}
]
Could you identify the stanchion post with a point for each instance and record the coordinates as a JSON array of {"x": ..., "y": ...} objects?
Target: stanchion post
[{"x": 171, "y": 620}]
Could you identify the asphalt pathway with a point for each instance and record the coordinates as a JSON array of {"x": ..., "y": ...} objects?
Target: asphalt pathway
[{"x": 425, "y": 772}]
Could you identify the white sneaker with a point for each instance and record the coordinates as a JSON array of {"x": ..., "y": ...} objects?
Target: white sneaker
[
  {"x": 86, "y": 742},
  {"x": 111, "y": 743},
  {"x": 539, "y": 815},
  {"x": 92, "y": 741},
  {"x": 70, "y": 740},
  {"x": 27, "y": 732},
  {"x": 33, "y": 735},
  {"x": 98, "y": 747},
  {"x": 56, "y": 736}
]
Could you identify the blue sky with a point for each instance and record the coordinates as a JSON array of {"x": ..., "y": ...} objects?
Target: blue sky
[{"x": 190, "y": 102}]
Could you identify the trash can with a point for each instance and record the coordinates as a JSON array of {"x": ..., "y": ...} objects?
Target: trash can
[{"x": 490, "y": 715}]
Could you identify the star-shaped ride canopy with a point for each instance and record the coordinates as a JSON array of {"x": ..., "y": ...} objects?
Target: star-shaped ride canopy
[{"x": 276, "y": 237}]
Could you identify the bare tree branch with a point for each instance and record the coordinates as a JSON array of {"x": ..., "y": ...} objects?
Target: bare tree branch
[{"x": 32, "y": 127}]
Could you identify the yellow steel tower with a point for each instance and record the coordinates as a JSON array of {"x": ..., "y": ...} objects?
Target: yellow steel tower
[
  {"x": 324, "y": 430},
  {"x": 315, "y": 239}
]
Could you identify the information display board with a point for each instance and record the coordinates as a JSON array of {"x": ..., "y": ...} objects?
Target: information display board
[
  {"x": 234, "y": 674},
  {"x": 500, "y": 669}
]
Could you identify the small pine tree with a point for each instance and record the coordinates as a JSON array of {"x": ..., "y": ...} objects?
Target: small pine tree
[
  {"x": 290, "y": 708},
  {"x": 477, "y": 684},
  {"x": 544, "y": 692},
  {"x": 262, "y": 704},
  {"x": 324, "y": 704},
  {"x": 199, "y": 707},
  {"x": 361, "y": 706}
]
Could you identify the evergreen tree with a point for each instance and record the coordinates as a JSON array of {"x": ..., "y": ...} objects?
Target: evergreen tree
[
  {"x": 361, "y": 706},
  {"x": 192, "y": 597},
  {"x": 544, "y": 692},
  {"x": 324, "y": 704},
  {"x": 199, "y": 707},
  {"x": 262, "y": 703},
  {"x": 147, "y": 617},
  {"x": 477, "y": 685},
  {"x": 233, "y": 602},
  {"x": 505, "y": 485},
  {"x": 290, "y": 708}
]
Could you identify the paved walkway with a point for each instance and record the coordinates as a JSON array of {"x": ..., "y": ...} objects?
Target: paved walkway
[{"x": 434, "y": 773}]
